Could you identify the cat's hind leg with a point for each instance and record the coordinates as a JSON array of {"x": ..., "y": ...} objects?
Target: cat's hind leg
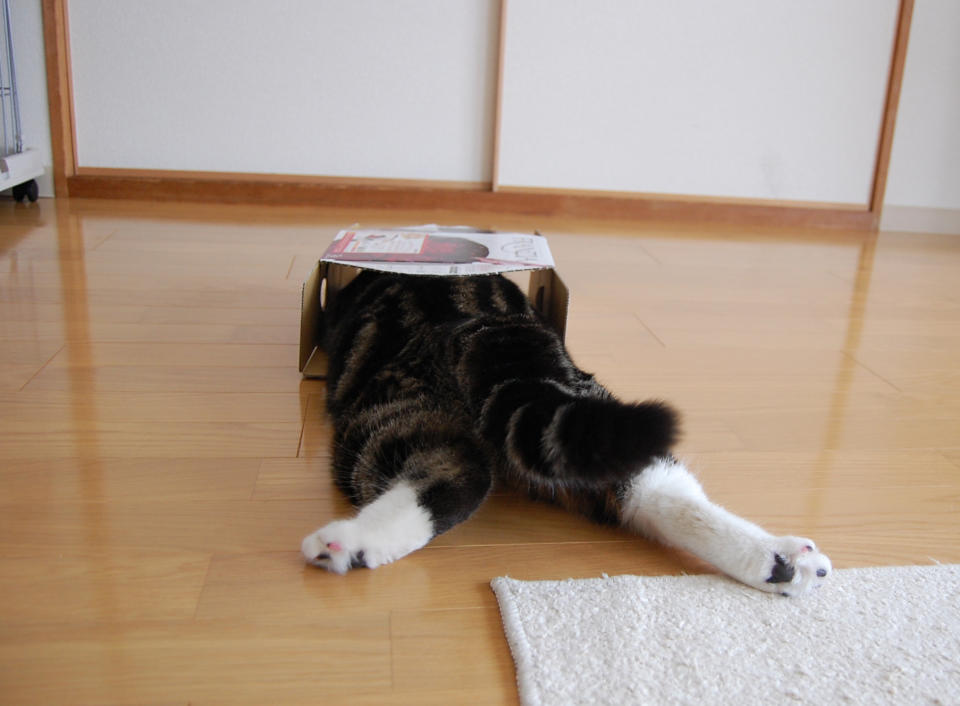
[
  {"x": 665, "y": 502},
  {"x": 436, "y": 490},
  {"x": 390, "y": 527}
]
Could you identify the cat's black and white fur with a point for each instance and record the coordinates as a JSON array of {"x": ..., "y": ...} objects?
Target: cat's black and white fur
[{"x": 440, "y": 387}]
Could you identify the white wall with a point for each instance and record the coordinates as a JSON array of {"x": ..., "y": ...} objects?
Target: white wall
[
  {"x": 924, "y": 168},
  {"x": 751, "y": 99},
  {"x": 364, "y": 88},
  {"x": 26, "y": 24}
]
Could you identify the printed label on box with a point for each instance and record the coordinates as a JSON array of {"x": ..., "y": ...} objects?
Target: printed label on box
[{"x": 436, "y": 250}]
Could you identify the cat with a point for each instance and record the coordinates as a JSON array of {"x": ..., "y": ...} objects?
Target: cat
[{"x": 439, "y": 387}]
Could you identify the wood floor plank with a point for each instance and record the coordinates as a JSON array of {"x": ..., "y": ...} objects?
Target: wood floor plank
[
  {"x": 101, "y": 586},
  {"x": 14, "y": 309},
  {"x": 453, "y": 577},
  {"x": 285, "y": 332},
  {"x": 26, "y": 239},
  {"x": 59, "y": 406},
  {"x": 14, "y": 376},
  {"x": 839, "y": 471},
  {"x": 847, "y": 429},
  {"x": 430, "y": 655},
  {"x": 199, "y": 662},
  {"x": 169, "y": 379},
  {"x": 296, "y": 478},
  {"x": 43, "y": 483},
  {"x": 102, "y": 261},
  {"x": 511, "y": 519},
  {"x": 200, "y": 525},
  {"x": 145, "y": 288},
  {"x": 91, "y": 439},
  {"x": 927, "y": 374},
  {"x": 215, "y": 315},
  {"x": 317, "y": 429},
  {"x": 31, "y": 353},
  {"x": 745, "y": 379},
  {"x": 953, "y": 455},
  {"x": 188, "y": 355}
]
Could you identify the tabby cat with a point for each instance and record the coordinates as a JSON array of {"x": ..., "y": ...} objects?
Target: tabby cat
[{"x": 440, "y": 387}]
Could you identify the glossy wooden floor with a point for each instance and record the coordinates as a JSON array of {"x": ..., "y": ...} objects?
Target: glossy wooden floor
[{"x": 160, "y": 457}]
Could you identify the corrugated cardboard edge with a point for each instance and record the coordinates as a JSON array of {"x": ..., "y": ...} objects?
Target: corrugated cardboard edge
[
  {"x": 550, "y": 296},
  {"x": 311, "y": 309},
  {"x": 319, "y": 290}
]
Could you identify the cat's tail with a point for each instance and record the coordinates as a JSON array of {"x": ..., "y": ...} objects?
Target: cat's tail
[{"x": 558, "y": 436}]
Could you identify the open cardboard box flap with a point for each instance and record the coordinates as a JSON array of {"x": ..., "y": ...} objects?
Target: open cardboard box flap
[{"x": 425, "y": 250}]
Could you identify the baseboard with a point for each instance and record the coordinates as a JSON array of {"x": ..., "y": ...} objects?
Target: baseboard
[
  {"x": 921, "y": 220},
  {"x": 649, "y": 196},
  {"x": 268, "y": 189}
]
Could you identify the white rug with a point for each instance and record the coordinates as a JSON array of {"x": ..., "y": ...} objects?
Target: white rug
[{"x": 869, "y": 636}]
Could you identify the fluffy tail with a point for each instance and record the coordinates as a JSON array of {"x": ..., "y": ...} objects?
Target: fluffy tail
[{"x": 557, "y": 436}]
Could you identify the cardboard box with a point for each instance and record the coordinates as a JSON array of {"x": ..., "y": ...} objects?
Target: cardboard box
[{"x": 425, "y": 250}]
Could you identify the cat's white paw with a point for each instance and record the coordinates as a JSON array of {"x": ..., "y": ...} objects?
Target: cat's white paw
[
  {"x": 348, "y": 544},
  {"x": 791, "y": 566},
  {"x": 335, "y": 547}
]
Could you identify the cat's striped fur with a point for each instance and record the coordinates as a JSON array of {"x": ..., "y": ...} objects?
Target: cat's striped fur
[{"x": 441, "y": 386}]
